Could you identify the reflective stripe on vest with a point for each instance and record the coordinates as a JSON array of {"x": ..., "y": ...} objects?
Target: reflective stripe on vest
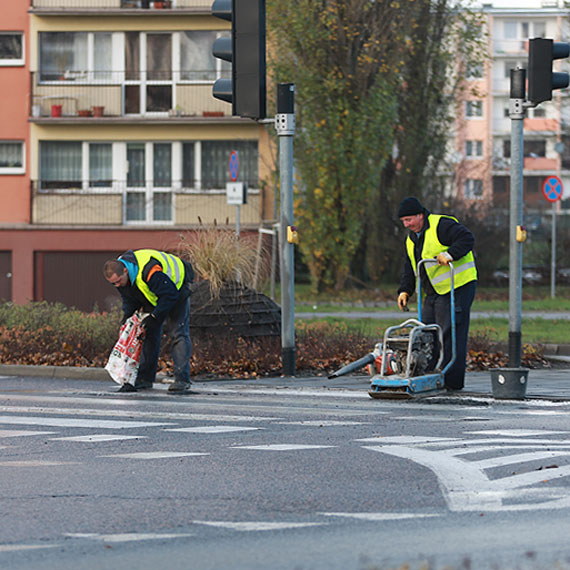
[
  {"x": 171, "y": 265},
  {"x": 440, "y": 275}
]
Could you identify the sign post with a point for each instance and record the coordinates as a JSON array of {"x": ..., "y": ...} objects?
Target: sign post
[
  {"x": 552, "y": 188},
  {"x": 236, "y": 192}
]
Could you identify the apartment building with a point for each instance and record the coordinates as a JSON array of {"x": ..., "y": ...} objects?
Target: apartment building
[
  {"x": 121, "y": 143},
  {"x": 483, "y": 145}
]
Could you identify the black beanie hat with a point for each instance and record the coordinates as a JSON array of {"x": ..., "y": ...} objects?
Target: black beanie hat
[{"x": 410, "y": 207}]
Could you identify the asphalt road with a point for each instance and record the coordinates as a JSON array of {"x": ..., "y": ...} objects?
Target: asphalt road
[{"x": 278, "y": 476}]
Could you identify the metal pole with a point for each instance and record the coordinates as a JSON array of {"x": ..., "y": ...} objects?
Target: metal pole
[
  {"x": 237, "y": 220},
  {"x": 285, "y": 126},
  {"x": 553, "y": 258},
  {"x": 517, "y": 113}
]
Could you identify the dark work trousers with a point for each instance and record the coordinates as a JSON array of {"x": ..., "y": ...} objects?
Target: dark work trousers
[
  {"x": 436, "y": 309},
  {"x": 177, "y": 327}
]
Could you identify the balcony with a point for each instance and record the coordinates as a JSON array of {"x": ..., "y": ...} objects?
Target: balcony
[
  {"x": 120, "y": 7},
  {"x": 119, "y": 96}
]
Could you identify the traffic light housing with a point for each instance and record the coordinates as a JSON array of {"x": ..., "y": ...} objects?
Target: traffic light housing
[
  {"x": 541, "y": 79},
  {"x": 246, "y": 89}
]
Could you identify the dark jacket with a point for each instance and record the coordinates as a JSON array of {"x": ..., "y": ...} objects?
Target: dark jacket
[
  {"x": 450, "y": 233},
  {"x": 160, "y": 284}
]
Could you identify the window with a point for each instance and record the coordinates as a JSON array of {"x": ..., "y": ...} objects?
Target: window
[
  {"x": 11, "y": 48},
  {"x": 11, "y": 157},
  {"x": 196, "y": 60},
  {"x": 215, "y": 156},
  {"x": 531, "y": 149},
  {"x": 71, "y": 56},
  {"x": 473, "y": 149},
  {"x": 100, "y": 165},
  {"x": 474, "y": 70},
  {"x": 473, "y": 189},
  {"x": 474, "y": 109}
]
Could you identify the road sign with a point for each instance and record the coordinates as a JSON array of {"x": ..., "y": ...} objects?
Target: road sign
[
  {"x": 234, "y": 165},
  {"x": 236, "y": 193},
  {"x": 552, "y": 188}
]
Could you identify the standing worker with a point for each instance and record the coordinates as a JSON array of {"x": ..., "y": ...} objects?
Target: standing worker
[
  {"x": 434, "y": 236},
  {"x": 159, "y": 284}
]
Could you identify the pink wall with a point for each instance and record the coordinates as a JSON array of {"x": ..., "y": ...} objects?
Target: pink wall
[{"x": 15, "y": 189}]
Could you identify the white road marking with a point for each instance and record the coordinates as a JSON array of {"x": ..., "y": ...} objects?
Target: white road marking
[
  {"x": 515, "y": 432},
  {"x": 97, "y": 438},
  {"x": 257, "y": 526},
  {"x": 323, "y": 423},
  {"x": 126, "y": 537},
  {"x": 155, "y": 455},
  {"x": 380, "y": 516},
  {"x": 35, "y": 463},
  {"x": 464, "y": 483},
  {"x": 69, "y": 422},
  {"x": 416, "y": 440},
  {"x": 19, "y": 433},
  {"x": 213, "y": 429},
  {"x": 282, "y": 447},
  {"x": 133, "y": 413},
  {"x": 17, "y": 547}
]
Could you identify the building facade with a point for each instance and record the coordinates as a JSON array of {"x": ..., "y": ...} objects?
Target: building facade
[
  {"x": 115, "y": 139},
  {"x": 482, "y": 144}
]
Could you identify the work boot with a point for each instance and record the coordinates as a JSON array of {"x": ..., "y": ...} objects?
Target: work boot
[{"x": 180, "y": 389}]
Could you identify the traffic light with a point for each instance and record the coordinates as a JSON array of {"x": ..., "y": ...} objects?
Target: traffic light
[
  {"x": 541, "y": 79},
  {"x": 246, "y": 89}
]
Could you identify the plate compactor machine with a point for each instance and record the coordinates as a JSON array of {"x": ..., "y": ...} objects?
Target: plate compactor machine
[{"x": 402, "y": 365}]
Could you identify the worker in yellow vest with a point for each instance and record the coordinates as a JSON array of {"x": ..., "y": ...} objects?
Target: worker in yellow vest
[
  {"x": 443, "y": 238},
  {"x": 158, "y": 283}
]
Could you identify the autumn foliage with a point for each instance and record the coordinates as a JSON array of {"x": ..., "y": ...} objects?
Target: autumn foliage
[{"x": 52, "y": 334}]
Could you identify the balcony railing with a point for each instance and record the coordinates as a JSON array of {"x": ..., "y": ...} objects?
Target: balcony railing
[
  {"x": 154, "y": 95},
  {"x": 145, "y": 6},
  {"x": 78, "y": 203}
]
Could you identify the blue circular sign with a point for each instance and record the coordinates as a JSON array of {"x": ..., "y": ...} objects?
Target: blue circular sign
[
  {"x": 552, "y": 188},
  {"x": 234, "y": 166}
]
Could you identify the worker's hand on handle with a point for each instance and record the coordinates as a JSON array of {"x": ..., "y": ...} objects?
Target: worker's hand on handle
[
  {"x": 403, "y": 301},
  {"x": 443, "y": 258}
]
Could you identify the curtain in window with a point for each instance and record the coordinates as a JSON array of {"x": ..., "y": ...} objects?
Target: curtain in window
[
  {"x": 60, "y": 164},
  {"x": 215, "y": 160},
  {"x": 103, "y": 56},
  {"x": 196, "y": 59},
  {"x": 100, "y": 165},
  {"x": 61, "y": 52},
  {"x": 159, "y": 57},
  {"x": 11, "y": 46},
  {"x": 188, "y": 165},
  {"x": 136, "y": 160},
  {"x": 11, "y": 155},
  {"x": 162, "y": 165}
]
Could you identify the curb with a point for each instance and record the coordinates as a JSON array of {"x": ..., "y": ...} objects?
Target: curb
[{"x": 69, "y": 372}]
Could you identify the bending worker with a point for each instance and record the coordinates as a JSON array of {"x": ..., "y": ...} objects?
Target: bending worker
[
  {"x": 159, "y": 284},
  {"x": 440, "y": 237}
]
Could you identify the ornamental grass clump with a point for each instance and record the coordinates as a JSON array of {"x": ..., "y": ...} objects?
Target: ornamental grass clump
[{"x": 221, "y": 257}]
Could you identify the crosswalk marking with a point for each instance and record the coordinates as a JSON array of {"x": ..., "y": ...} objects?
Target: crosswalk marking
[
  {"x": 516, "y": 432},
  {"x": 154, "y": 455},
  {"x": 258, "y": 526},
  {"x": 282, "y": 447},
  {"x": 35, "y": 463},
  {"x": 20, "y": 433},
  {"x": 213, "y": 429},
  {"x": 381, "y": 516},
  {"x": 18, "y": 547},
  {"x": 96, "y": 438},
  {"x": 323, "y": 423},
  {"x": 70, "y": 422},
  {"x": 126, "y": 537}
]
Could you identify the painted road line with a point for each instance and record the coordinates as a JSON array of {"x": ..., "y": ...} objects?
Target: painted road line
[
  {"x": 282, "y": 447},
  {"x": 70, "y": 422},
  {"x": 96, "y": 438},
  {"x": 516, "y": 432},
  {"x": 154, "y": 455},
  {"x": 257, "y": 526},
  {"x": 381, "y": 516},
  {"x": 126, "y": 537},
  {"x": 213, "y": 429},
  {"x": 35, "y": 463},
  {"x": 18, "y": 547},
  {"x": 323, "y": 423},
  {"x": 21, "y": 433}
]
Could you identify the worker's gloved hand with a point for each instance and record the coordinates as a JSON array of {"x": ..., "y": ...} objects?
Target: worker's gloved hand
[
  {"x": 149, "y": 322},
  {"x": 443, "y": 258},
  {"x": 403, "y": 301}
]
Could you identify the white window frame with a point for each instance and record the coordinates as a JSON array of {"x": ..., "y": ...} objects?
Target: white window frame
[
  {"x": 14, "y": 62},
  {"x": 15, "y": 169},
  {"x": 473, "y": 148},
  {"x": 470, "y": 187},
  {"x": 476, "y": 107}
]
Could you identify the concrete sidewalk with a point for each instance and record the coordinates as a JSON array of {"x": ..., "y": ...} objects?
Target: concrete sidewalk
[{"x": 549, "y": 384}]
